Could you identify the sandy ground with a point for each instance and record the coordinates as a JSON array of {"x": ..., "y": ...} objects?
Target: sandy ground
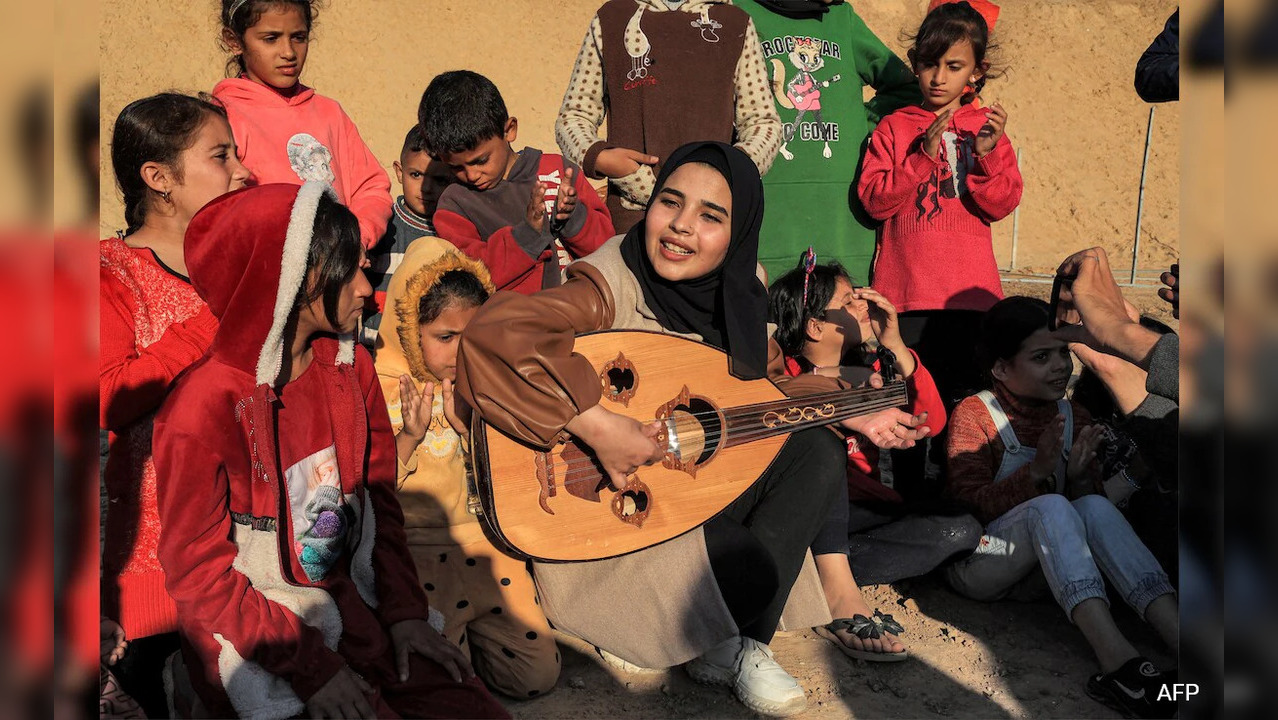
[
  {"x": 968, "y": 660},
  {"x": 1067, "y": 86}
]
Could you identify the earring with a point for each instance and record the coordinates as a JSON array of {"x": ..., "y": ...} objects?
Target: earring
[{"x": 167, "y": 196}]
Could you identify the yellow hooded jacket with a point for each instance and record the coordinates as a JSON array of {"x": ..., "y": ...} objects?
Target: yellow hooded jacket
[{"x": 432, "y": 485}]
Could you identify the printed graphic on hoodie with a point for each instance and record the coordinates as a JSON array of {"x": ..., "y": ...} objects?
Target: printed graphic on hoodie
[
  {"x": 310, "y": 159},
  {"x": 638, "y": 47},
  {"x": 949, "y": 179},
  {"x": 321, "y": 517},
  {"x": 802, "y": 92}
]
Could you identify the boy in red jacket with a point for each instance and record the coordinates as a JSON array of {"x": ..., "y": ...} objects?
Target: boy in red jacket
[{"x": 524, "y": 214}]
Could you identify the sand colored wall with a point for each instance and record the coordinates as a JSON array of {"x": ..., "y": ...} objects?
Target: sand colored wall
[{"x": 1068, "y": 91}]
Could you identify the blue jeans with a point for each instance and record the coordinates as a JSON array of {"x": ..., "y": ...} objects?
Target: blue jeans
[{"x": 1077, "y": 544}]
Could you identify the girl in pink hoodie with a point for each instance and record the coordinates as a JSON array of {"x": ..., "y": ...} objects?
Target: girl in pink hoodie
[
  {"x": 286, "y": 132},
  {"x": 937, "y": 176}
]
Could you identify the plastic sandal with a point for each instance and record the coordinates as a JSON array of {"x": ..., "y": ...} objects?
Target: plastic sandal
[{"x": 865, "y": 628}]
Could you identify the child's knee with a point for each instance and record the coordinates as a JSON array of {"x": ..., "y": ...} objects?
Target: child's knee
[
  {"x": 1056, "y": 513},
  {"x": 1053, "y": 508},
  {"x": 527, "y": 678},
  {"x": 527, "y": 670},
  {"x": 962, "y": 533},
  {"x": 1096, "y": 510}
]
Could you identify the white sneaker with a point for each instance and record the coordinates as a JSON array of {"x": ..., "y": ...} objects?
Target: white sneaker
[
  {"x": 758, "y": 681},
  {"x": 718, "y": 666}
]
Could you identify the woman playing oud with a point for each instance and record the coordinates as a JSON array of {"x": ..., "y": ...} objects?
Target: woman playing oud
[{"x": 689, "y": 269}]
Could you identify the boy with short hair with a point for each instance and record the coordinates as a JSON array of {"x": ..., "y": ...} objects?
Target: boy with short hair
[
  {"x": 423, "y": 181},
  {"x": 524, "y": 214}
]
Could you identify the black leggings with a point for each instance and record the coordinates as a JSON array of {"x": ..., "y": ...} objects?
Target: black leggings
[{"x": 757, "y": 544}]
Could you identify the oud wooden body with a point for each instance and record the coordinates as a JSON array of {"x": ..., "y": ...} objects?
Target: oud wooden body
[
  {"x": 581, "y": 528},
  {"x": 720, "y": 435}
]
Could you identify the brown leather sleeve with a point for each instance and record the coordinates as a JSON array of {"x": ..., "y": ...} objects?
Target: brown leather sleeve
[{"x": 516, "y": 364}]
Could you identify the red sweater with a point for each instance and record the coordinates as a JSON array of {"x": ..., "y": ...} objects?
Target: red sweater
[
  {"x": 935, "y": 250},
  {"x": 975, "y": 451},
  {"x": 152, "y": 326},
  {"x": 864, "y": 484},
  {"x": 490, "y": 225}
]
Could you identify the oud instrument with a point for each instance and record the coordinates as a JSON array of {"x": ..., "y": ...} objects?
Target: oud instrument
[{"x": 720, "y": 434}]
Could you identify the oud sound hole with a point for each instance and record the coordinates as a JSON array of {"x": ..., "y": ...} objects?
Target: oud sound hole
[
  {"x": 620, "y": 381},
  {"x": 633, "y": 503},
  {"x": 699, "y": 428}
]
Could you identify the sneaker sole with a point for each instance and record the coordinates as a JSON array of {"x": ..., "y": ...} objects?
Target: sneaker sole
[{"x": 771, "y": 708}]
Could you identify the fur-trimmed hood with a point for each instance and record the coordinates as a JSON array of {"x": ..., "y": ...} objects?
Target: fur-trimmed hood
[
  {"x": 399, "y": 346},
  {"x": 246, "y": 253}
]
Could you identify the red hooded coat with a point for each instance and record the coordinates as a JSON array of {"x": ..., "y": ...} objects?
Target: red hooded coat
[{"x": 242, "y": 463}]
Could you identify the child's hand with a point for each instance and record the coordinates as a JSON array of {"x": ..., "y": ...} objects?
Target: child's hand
[
  {"x": 620, "y": 162},
  {"x": 416, "y": 635},
  {"x": 1082, "y": 460},
  {"x": 1048, "y": 452},
  {"x": 345, "y": 695},
  {"x": 1171, "y": 293},
  {"x": 890, "y": 429},
  {"x": 112, "y": 643},
  {"x": 992, "y": 130},
  {"x": 886, "y": 327},
  {"x": 536, "y": 211},
  {"x": 415, "y": 410},
  {"x": 566, "y": 201},
  {"x": 932, "y": 136},
  {"x": 622, "y": 445},
  {"x": 456, "y": 413}
]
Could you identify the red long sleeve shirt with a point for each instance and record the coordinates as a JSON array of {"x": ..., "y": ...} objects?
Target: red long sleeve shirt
[
  {"x": 935, "y": 248},
  {"x": 152, "y": 327}
]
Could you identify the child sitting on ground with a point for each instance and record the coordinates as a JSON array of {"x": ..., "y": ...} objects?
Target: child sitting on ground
[
  {"x": 524, "y": 214},
  {"x": 1044, "y": 507},
  {"x": 423, "y": 181},
  {"x": 829, "y": 326},
  {"x": 281, "y": 536},
  {"x": 487, "y": 597},
  {"x": 285, "y": 131}
]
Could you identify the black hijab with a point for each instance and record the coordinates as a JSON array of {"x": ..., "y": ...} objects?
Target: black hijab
[{"x": 727, "y": 307}]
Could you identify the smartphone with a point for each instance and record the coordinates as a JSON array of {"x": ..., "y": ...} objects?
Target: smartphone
[{"x": 1057, "y": 283}]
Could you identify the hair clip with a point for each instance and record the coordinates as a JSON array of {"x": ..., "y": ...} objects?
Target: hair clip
[
  {"x": 235, "y": 7},
  {"x": 809, "y": 264}
]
